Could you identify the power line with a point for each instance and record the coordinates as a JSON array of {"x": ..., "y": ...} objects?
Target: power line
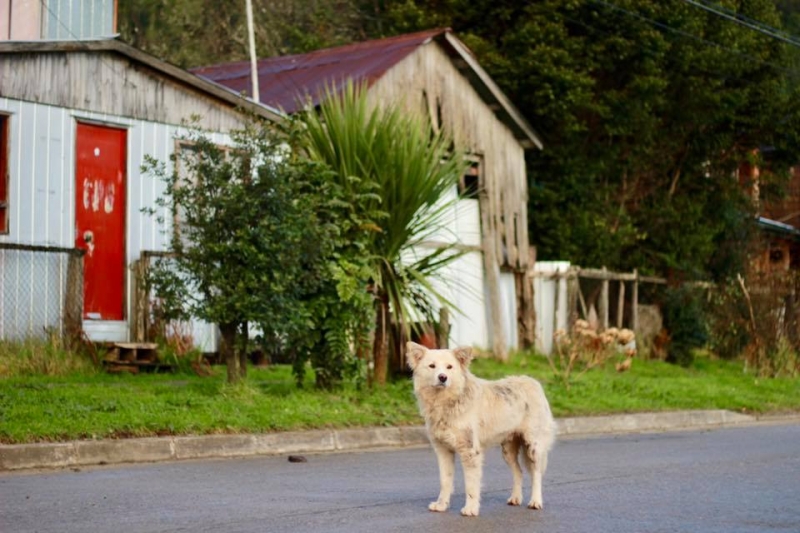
[
  {"x": 717, "y": 73},
  {"x": 757, "y": 26},
  {"x": 669, "y": 28}
]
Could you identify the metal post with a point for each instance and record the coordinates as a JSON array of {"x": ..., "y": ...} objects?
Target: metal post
[{"x": 253, "y": 58}]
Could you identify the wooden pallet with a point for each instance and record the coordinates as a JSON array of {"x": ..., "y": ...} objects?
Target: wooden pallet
[{"x": 133, "y": 357}]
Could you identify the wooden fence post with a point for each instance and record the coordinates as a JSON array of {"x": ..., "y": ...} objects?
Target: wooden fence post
[
  {"x": 73, "y": 302},
  {"x": 140, "y": 299},
  {"x": 604, "y": 301},
  {"x": 635, "y": 303},
  {"x": 621, "y": 304},
  {"x": 492, "y": 268},
  {"x": 526, "y": 311}
]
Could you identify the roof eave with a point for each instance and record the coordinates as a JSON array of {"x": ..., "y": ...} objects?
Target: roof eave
[
  {"x": 780, "y": 228},
  {"x": 112, "y": 45}
]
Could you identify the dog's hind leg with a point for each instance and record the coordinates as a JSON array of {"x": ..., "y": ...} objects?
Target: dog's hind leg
[
  {"x": 536, "y": 461},
  {"x": 511, "y": 454},
  {"x": 447, "y": 469}
]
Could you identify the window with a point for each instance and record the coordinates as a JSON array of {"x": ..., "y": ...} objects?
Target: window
[
  {"x": 4, "y": 173},
  {"x": 469, "y": 183},
  {"x": 78, "y": 19}
]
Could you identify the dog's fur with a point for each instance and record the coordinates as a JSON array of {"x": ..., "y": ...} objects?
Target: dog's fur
[{"x": 467, "y": 415}]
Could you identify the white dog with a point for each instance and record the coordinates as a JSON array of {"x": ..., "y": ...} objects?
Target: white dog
[{"x": 467, "y": 415}]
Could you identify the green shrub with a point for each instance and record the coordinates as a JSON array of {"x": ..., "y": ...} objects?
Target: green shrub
[{"x": 685, "y": 321}]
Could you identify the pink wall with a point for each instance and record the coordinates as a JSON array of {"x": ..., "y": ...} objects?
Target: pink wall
[{"x": 20, "y": 20}]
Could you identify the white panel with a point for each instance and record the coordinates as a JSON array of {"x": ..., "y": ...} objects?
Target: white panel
[
  {"x": 550, "y": 303},
  {"x": 55, "y": 212},
  {"x": 135, "y": 198},
  {"x": 468, "y": 222},
  {"x": 508, "y": 304},
  {"x": 40, "y": 180},
  {"x": 21, "y": 206},
  {"x": 467, "y": 285}
]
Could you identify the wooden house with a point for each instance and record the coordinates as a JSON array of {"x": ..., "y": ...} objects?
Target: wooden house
[
  {"x": 434, "y": 73},
  {"x": 77, "y": 120},
  {"x": 778, "y": 221}
]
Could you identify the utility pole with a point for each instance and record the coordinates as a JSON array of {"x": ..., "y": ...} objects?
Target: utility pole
[{"x": 252, "y": 38}]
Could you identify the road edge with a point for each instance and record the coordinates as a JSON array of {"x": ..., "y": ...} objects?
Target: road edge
[{"x": 15, "y": 457}]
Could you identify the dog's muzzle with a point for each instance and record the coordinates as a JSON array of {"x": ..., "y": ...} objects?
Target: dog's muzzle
[{"x": 442, "y": 378}]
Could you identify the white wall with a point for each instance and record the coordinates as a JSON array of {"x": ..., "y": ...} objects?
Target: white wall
[
  {"x": 42, "y": 182},
  {"x": 463, "y": 282},
  {"x": 550, "y": 303}
]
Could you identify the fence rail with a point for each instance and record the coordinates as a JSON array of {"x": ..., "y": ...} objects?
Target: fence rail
[{"x": 41, "y": 291}]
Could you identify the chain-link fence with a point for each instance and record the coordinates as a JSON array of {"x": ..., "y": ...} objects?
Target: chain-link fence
[{"x": 41, "y": 291}]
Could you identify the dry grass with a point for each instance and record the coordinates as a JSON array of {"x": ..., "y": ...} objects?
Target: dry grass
[{"x": 45, "y": 356}]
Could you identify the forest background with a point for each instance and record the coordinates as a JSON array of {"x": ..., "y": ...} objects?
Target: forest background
[{"x": 646, "y": 107}]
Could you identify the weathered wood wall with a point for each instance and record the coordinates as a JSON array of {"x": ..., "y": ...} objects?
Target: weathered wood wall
[
  {"x": 106, "y": 82},
  {"x": 427, "y": 78}
]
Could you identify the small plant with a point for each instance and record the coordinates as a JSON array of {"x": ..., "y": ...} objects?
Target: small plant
[{"x": 585, "y": 349}]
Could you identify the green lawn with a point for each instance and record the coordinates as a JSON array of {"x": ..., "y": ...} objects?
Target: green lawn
[{"x": 101, "y": 405}]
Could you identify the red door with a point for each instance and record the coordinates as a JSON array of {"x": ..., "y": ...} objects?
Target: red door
[{"x": 100, "y": 219}]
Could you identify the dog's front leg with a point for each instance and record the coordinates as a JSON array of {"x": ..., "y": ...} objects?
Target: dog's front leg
[
  {"x": 472, "y": 461},
  {"x": 447, "y": 467}
]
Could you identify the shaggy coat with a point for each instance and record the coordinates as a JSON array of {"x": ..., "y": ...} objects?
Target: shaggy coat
[{"x": 466, "y": 415}]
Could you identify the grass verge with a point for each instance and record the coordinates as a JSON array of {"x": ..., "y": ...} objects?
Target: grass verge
[{"x": 77, "y": 406}]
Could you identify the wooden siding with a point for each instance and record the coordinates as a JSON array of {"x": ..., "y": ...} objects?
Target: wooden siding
[
  {"x": 787, "y": 209},
  {"x": 428, "y": 79},
  {"x": 108, "y": 83}
]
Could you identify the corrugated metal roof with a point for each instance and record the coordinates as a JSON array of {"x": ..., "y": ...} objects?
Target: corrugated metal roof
[
  {"x": 288, "y": 82},
  {"x": 285, "y": 82}
]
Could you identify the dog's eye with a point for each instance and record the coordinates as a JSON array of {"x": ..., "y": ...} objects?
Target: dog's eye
[
  {"x": 449, "y": 367},
  {"x": 432, "y": 365}
]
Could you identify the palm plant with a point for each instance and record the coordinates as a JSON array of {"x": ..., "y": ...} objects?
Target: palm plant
[{"x": 410, "y": 169}]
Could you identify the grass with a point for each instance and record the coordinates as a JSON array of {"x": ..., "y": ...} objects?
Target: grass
[{"x": 96, "y": 405}]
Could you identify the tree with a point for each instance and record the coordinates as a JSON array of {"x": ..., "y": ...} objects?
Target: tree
[
  {"x": 192, "y": 33},
  {"x": 410, "y": 169},
  {"x": 258, "y": 242},
  {"x": 646, "y": 109}
]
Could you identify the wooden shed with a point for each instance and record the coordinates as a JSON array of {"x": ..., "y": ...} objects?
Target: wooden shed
[
  {"x": 434, "y": 73},
  {"x": 77, "y": 120}
]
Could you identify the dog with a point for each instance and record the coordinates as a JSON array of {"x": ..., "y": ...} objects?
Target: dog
[{"x": 466, "y": 415}]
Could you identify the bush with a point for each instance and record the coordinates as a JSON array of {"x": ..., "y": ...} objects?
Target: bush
[{"x": 685, "y": 321}]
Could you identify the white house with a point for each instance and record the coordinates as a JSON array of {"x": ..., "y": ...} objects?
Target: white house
[{"x": 77, "y": 119}]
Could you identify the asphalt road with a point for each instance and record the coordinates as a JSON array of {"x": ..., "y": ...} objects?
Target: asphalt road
[{"x": 726, "y": 481}]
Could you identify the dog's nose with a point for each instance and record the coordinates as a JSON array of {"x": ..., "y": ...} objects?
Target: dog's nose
[{"x": 442, "y": 377}]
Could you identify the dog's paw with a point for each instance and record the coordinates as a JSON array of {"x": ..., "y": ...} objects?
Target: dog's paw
[
  {"x": 470, "y": 510},
  {"x": 438, "y": 507},
  {"x": 515, "y": 499},
  {"x": 535, "y": 504}
]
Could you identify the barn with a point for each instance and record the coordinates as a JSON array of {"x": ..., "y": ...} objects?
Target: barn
[
  {"x": 434, "y": 73},
  {"x": 77, "y": 120}
]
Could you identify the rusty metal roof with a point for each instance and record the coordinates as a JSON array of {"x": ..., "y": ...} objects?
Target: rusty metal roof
[{"x": 289, "y": 82}]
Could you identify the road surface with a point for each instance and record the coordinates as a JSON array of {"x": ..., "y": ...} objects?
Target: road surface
[{"x": 723, "y": 481}]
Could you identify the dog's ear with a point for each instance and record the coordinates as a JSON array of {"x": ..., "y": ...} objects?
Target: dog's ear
[
  {"x": 414, "y": 354},
  {"x": 464, "y": 355}
]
